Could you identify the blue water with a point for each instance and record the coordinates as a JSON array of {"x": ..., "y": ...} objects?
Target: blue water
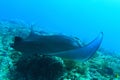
[{"x": 81, "y": 18}]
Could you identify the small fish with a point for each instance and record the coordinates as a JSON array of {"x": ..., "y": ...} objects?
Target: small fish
[
  {"x": 56, "y": 45},
  {"x": 3, "y": 54}
]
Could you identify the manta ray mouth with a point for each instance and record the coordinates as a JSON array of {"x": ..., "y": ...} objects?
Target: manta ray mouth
[{"x": 82, "y": 53}]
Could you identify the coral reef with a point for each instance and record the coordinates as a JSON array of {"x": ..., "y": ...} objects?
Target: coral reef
[
  {"x": 38, "y": 68},
  {"x": 14, "y": 66}
]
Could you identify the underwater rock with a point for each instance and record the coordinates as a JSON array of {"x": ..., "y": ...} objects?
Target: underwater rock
[
  {"x": 39, "y": 68},
  {"x": 108, "y": 70}
]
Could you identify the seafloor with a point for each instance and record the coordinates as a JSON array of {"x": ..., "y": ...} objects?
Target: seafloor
[{"x": 103, "y": 66}]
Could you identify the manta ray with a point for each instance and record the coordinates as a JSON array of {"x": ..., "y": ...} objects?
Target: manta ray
[{"x": 56, "y": 45}]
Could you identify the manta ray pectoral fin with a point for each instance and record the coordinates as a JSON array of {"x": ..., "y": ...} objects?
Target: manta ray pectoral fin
[{"x": 84, "y": 53}]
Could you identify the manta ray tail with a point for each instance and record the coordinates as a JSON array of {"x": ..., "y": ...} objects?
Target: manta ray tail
[{"x": 83, "y": 53}]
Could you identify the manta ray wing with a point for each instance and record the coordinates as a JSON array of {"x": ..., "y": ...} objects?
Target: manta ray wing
[{"x": 82, "y": 53}]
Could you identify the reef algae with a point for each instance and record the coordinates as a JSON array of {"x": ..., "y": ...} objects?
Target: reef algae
[{"x": 15, "y": 67}]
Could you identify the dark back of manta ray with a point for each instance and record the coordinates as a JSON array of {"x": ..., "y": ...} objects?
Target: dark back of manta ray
[{"x": 45, "y": 44}]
